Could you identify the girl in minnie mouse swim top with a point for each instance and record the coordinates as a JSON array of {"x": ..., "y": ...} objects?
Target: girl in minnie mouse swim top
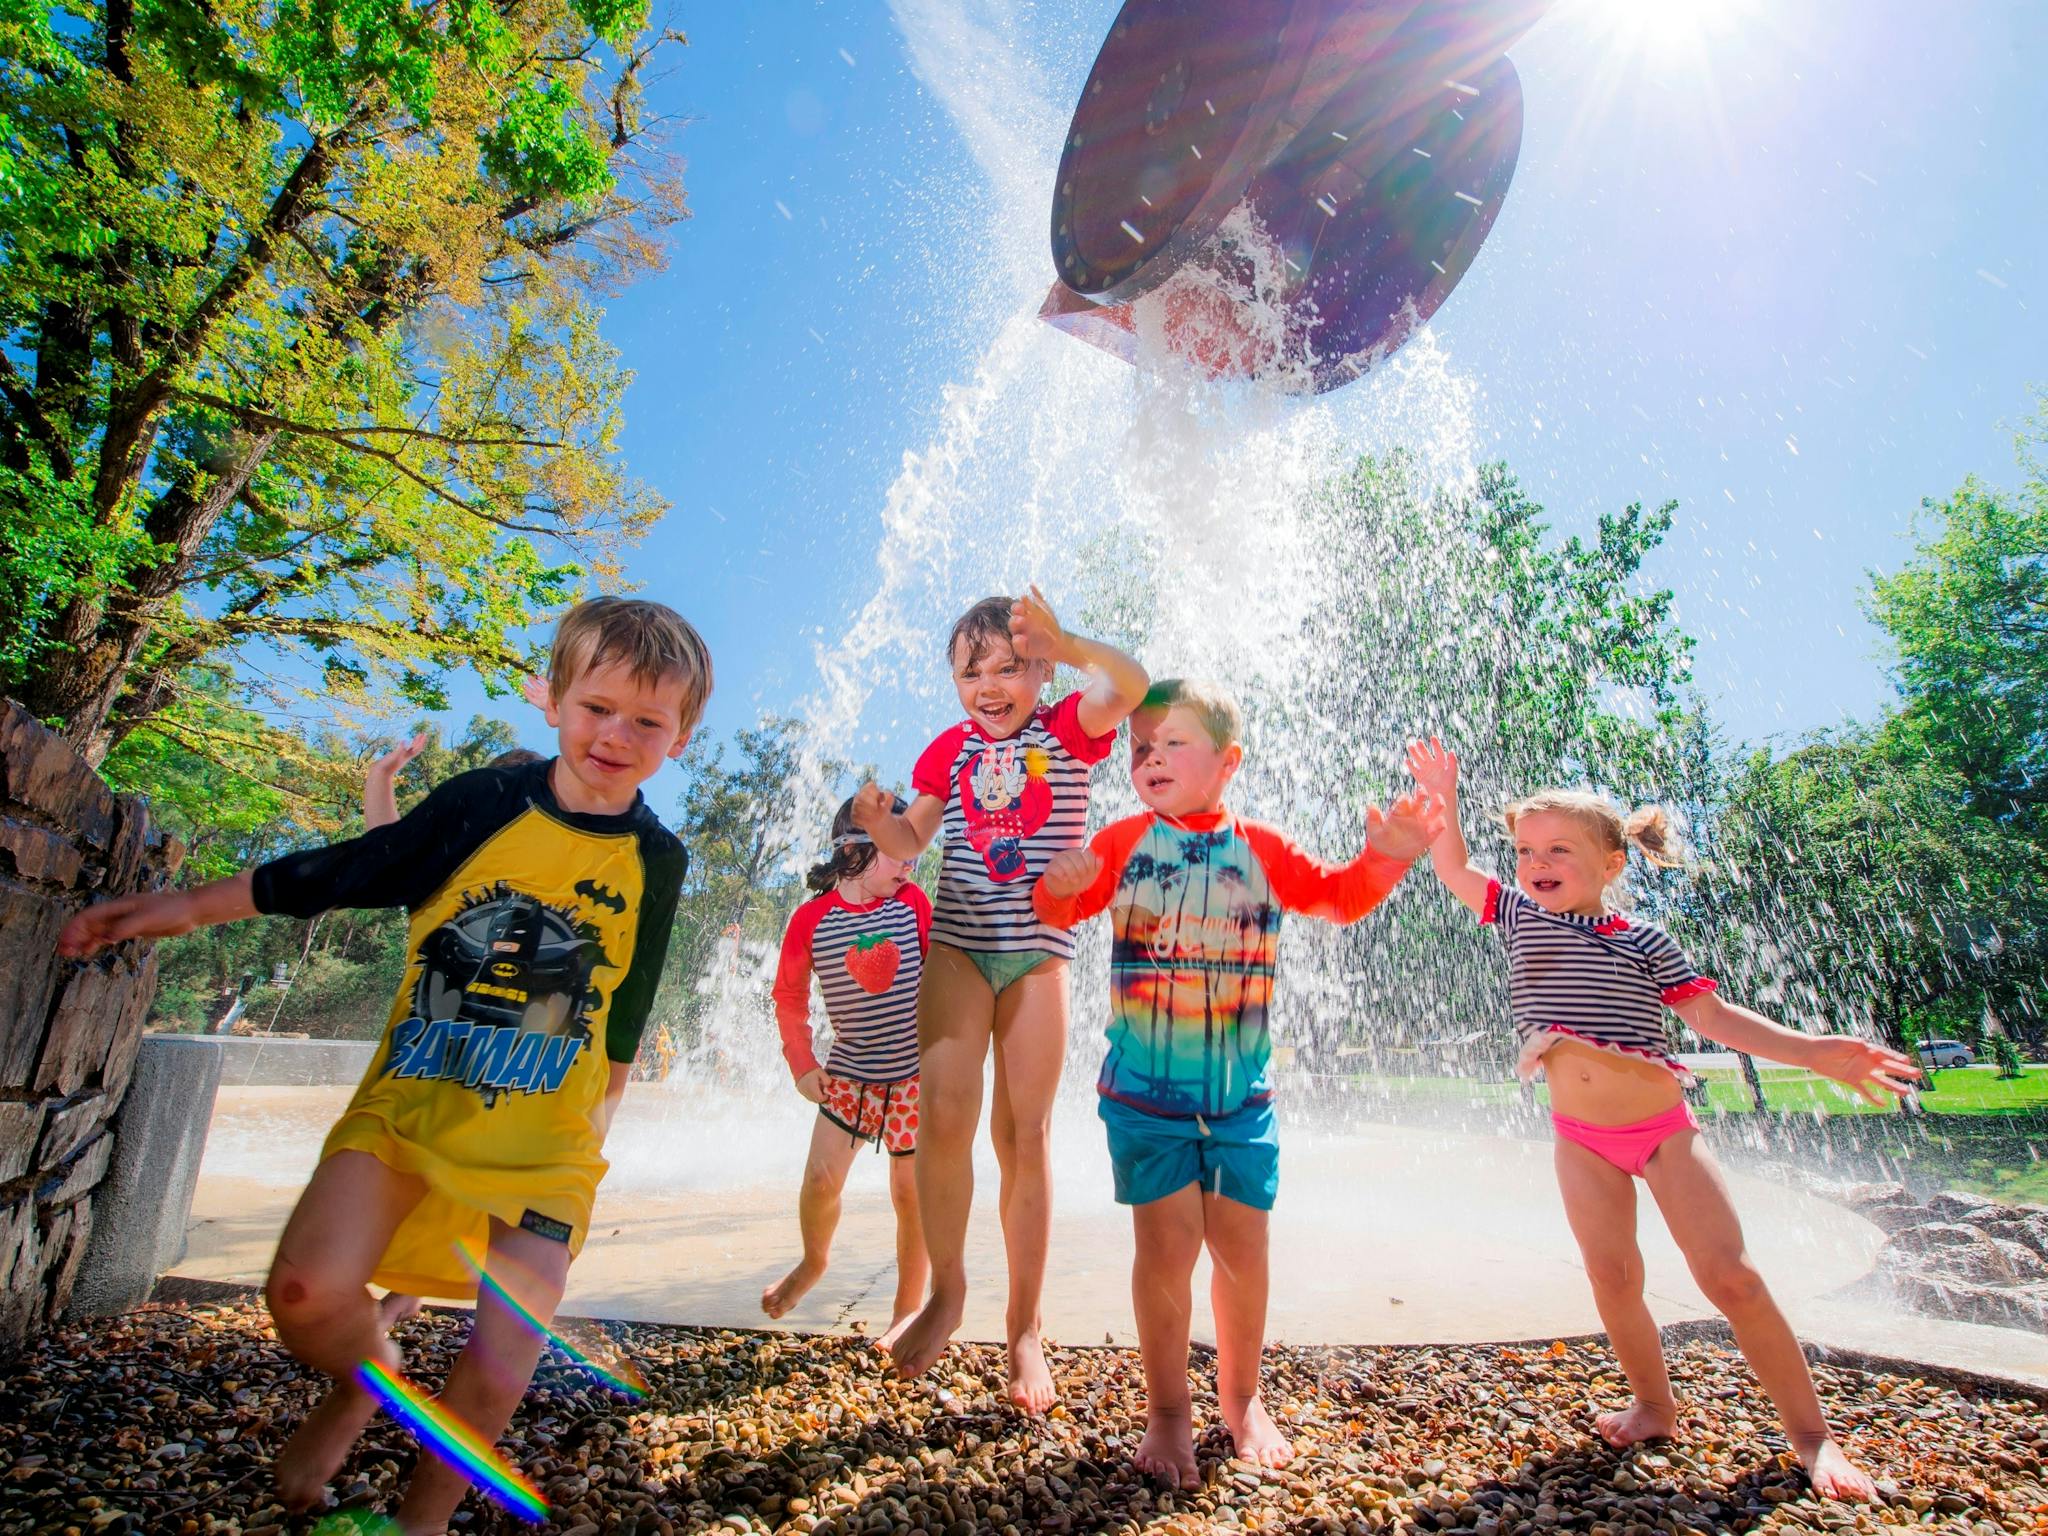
[{"x": 1008, "y": 786}]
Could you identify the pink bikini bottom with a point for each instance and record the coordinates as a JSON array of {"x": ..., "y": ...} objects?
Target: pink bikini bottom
[{"x": 1628, "y": 1147}]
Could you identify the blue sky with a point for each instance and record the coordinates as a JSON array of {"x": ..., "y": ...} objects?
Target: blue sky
[{"x": 1783, "y": 263}]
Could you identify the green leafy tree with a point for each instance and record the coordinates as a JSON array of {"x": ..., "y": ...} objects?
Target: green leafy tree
[
  {"x": 1968, "y": 619},
  {"x": 1852, "y": 887},
  {"x": 1546, "y": 660},
  {"x": 299, "y": 344},
  {"x": 1557, "y": 660},
  {"x": 211, "y": 782},
  {"x": 1895, "y": 876}
]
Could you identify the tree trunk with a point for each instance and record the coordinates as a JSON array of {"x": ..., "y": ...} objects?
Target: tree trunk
[
  {"x": 1754, "y": 1079},
  {"x": 105, "y": 642},
  {"x": 98, "y": 642}
]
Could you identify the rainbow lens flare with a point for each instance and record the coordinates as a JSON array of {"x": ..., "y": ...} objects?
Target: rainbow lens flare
[
  {"x": 604, "y": 1360},
  {"x": 607, "y": 1363},
  {"x": 453, "y": 1441}
]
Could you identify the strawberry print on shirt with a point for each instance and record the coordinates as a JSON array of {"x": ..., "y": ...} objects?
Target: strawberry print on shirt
[
  {"x": 867, "y": 960},
  {"x": 873, "y": 961}
]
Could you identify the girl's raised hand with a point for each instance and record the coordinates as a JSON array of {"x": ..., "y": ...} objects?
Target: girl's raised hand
[
  {"x": 1435, "y": 767},
  {"x": 872, "y": 807},
  {"x": 1407, "y": 829},
  {"x": 1035, "y": 634},
  {"x": 393, "y": 762},
  {"x": 1872, "y": 1070},
  {"x": 1071, "y": 871},
  {"x": 535, "y": 691}
]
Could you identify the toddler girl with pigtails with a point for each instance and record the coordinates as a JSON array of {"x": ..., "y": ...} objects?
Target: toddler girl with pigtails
[{"x": 1587, "y": 988}]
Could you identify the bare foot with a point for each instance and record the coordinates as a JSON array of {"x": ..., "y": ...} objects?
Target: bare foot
[
  {"x": 1167, "y": 1453},
  {"x": 917, "y": 1347},
  {"x": 1256, "y": 1436},
  {"x": 1030, "y": 1385},
  {"x": 317, "y": 1449},
  {"x": 395, "y": 1308},
  {"x": 896, "y": 1326},
  {"x": 1636, "y": 1422},
  {"x": 1835, "y": 1476},
  {"x": 789, "y": 1290}
]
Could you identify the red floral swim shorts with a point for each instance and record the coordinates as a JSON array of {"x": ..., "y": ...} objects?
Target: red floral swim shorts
[{"x": 884, "y": 1113}]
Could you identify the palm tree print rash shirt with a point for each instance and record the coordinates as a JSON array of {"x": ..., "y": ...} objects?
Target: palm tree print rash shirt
[{"x": 1195, "y": 909}]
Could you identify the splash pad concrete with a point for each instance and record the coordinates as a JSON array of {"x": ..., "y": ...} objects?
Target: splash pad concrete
[{"x": 1385, "y": 1234}]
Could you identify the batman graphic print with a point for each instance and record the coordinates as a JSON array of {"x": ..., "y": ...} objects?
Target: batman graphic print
[
  {"x": 504, "y": 998},
  {"x": 535, "y": 940}
]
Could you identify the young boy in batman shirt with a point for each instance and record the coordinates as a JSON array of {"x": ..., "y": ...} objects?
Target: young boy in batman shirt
[{"x": 540, "y": 900}]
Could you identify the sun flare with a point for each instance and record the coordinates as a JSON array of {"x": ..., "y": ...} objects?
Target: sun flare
[{"x": 1662, "y": 28}]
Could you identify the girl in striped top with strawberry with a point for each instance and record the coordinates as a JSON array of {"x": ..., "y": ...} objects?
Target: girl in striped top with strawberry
[{"x": 863, "y": 937}]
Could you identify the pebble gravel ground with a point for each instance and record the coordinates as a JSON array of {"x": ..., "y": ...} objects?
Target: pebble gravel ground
[{"x": 164, "y": 1421}]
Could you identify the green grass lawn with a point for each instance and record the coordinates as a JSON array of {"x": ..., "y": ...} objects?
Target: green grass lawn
[
  {"x": 2028, "y": 1186},
  {"x": 1980, "y": 1131},
  {"x": 1955, "y": 1091}
]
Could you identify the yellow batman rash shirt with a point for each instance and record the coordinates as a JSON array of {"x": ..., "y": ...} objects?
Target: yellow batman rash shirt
[{"x": 535, "y": 944}]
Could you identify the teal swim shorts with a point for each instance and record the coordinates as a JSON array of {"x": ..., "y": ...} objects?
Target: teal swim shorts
[{"x": 1152, "y": 1156}]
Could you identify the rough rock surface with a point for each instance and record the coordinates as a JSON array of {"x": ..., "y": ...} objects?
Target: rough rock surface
[
  {"x": 1960, "y": 1255},
  {"x": 166, "y": 1420},
  {"x": 68, "y": 1032}
]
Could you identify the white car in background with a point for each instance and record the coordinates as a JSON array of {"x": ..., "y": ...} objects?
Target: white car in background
[{"x": 1945, "y": 1053}]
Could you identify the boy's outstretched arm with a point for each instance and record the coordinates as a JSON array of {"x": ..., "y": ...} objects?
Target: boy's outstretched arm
[
  {"x": 160, "y": 915},
  {"x": 900, "y": 837},
  {"x": 1344, "y": 893},
  {"x": 1435, "y": 767},
  {"x": 1063, "y": 894},
  {"x": 1116, "y": 683},
  {"x": 1080, "y": 882},
  {"x": 1872, "y": 1070}
]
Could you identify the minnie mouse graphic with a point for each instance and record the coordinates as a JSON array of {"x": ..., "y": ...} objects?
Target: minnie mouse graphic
[{"x": 1005, "y": 798}]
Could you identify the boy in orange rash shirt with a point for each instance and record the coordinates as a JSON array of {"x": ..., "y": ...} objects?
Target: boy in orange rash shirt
[{"x": 1196, "y": 896}]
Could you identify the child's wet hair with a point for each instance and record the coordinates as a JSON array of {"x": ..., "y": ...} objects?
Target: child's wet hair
[
  {"x": 983, "y": 626},
  {"x": 1210, "y": 703},
  {"x": 518, "y": 757},
  {"x": 651, "y": 640},
  {"x": 850, "y": 859},
  {"x": 1648, "y": 827}
]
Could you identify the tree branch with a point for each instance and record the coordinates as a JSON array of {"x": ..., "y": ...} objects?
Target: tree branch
[
  {"x": 132, "y": 415},
  {"x": 345, "y": 436},
  {"x": 23, "y": 408}
]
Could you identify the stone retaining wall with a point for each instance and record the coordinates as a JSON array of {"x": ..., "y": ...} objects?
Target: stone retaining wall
[
  {"x": 68, "y": 1032},
  {"x": 262, "y": 1061}
]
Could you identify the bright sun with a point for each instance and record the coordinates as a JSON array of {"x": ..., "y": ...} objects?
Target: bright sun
[{"x": 1661, "y": 28}]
